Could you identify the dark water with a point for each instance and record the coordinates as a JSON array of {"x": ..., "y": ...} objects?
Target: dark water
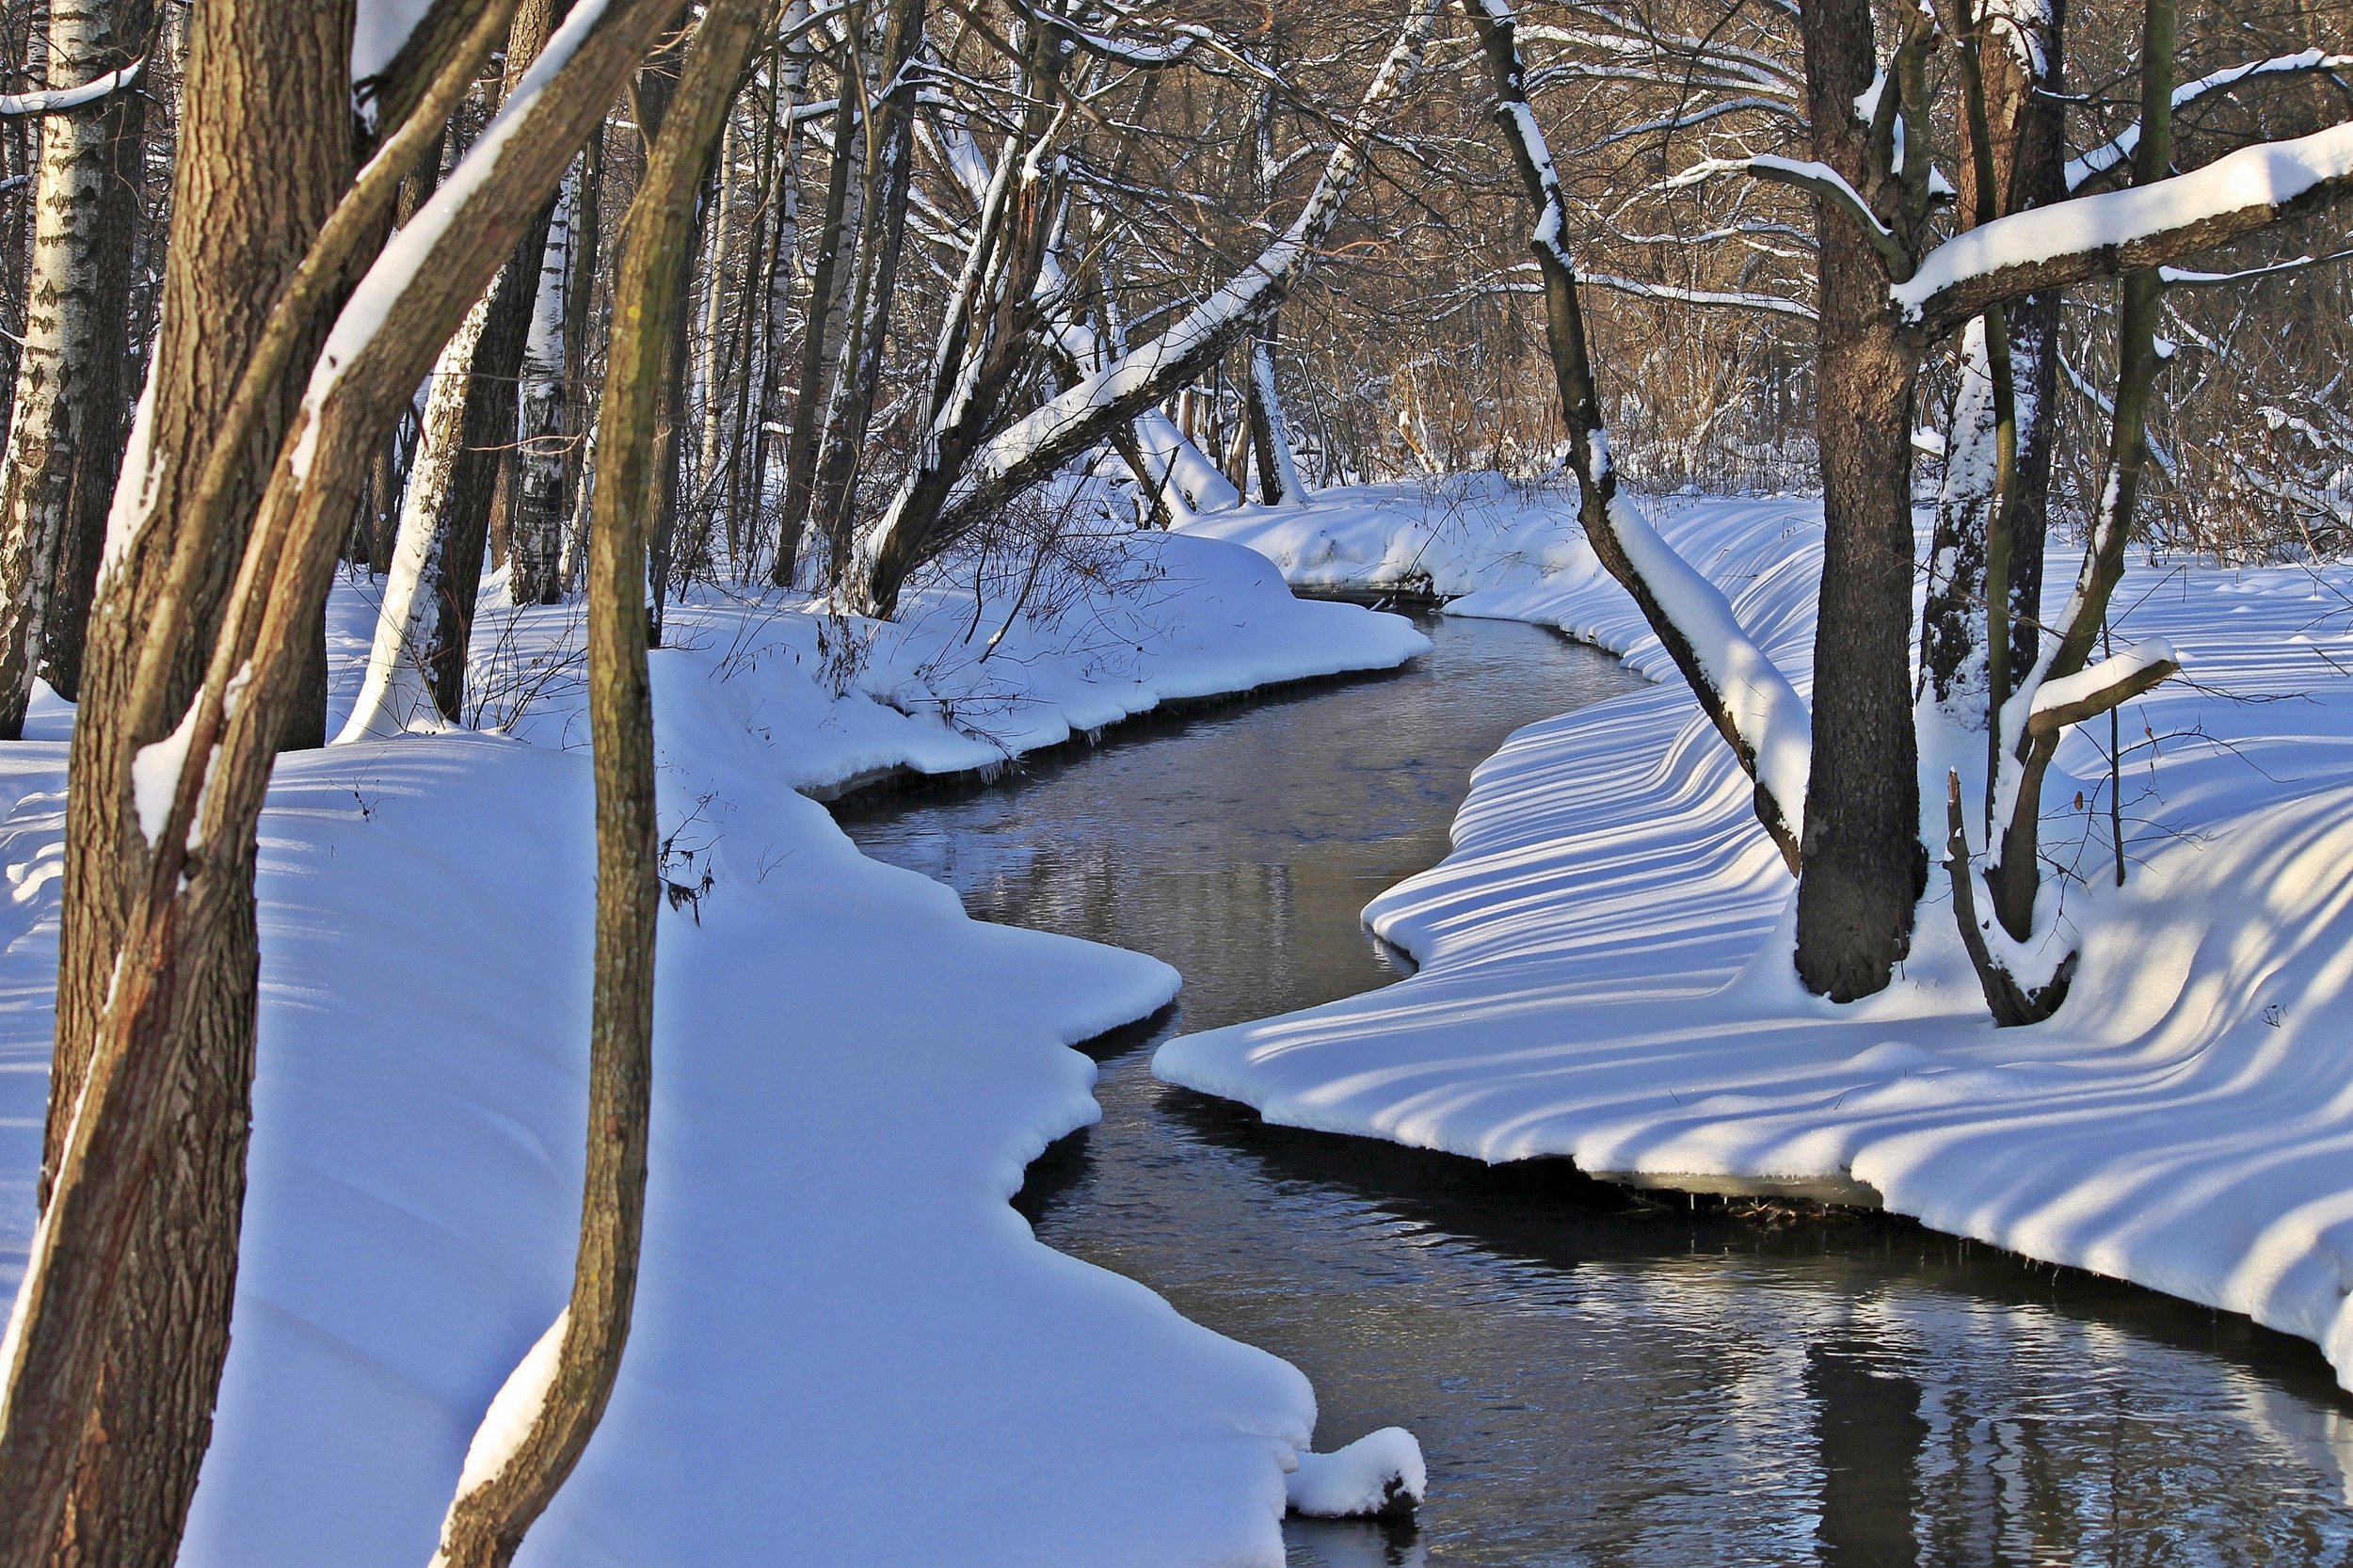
[{"x": 1595, "y": 1381}]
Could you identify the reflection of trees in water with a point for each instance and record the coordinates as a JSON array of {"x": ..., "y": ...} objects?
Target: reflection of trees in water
[{"x": 1597, "y": 1378}]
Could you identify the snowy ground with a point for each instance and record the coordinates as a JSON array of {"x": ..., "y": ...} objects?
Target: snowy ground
[
  {"x": 848, "y": 1349},
  {"x": 1444, "y": 537},
  {"x": 1603, "y": 972}
]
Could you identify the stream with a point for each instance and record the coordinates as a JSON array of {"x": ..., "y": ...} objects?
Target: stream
[{"x": 1595, "y": 1380}]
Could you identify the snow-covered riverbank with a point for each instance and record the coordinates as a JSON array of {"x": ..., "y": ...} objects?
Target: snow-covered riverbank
[
  {"x": 1602, "y": 972},
  {"x": 848, "y": 1349}
]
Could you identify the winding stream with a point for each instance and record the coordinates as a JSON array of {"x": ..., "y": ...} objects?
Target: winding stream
[{"x": 1595, "y": 1381}]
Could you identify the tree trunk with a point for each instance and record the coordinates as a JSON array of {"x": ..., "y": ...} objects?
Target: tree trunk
[
  {"x": 511, "y": 1476},
  {"x": 1270, "y": 428},
  {"x": 1862, "y": 863},
  {"x": 490, "y": 400},
  {"x": 400, "y": 685},
  {"x": 98, "y": 452},
  {"x": 264, "y": 149},
  {"x": 822, "y": 342},
  {"x": 65, "y": 441},
  {"x": 183, "y": 932},
  {"x": 889, "y": 150},
  {"x": 545, "y": 397}
]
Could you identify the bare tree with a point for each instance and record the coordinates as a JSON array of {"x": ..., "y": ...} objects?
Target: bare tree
[
  {"x": 174, "y": 1014},
  {"x": 542, "y": 1419},
  {"x": 65, "y": 443}
]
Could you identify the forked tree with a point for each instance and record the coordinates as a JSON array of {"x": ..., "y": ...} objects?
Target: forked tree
[{"x": 1838, "y": 780}]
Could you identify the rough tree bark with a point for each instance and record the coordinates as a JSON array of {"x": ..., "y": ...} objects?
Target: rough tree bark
[
  {"x": 184, "y": 931},
  {"x": 1862, "y": 864},
  {"x": 265, "y": 147}
]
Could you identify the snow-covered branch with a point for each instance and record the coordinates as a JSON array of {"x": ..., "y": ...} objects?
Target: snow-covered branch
[
  {"x": 2095, "y": 689},
  {"x": 2118, "y": 232},
  {"x": 1820, "y": 180},
  {"x": 2116, "y": 153},
  {"x": 1034, "y": 446},
  {"x": 1768, "y": 304},
  {"x": 60, "y": 100}
]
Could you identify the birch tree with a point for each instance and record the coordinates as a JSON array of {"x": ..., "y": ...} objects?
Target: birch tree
[{"x": 65, "y": 441}]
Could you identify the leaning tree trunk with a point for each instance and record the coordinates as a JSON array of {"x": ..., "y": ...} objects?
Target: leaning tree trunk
[
  {"x": 398, "y": 687},
  {"x": 183, "y": 932},
  {"x": 264, "y": 149},
  {"x": 558, "y": 1393},
  {"x": 66, "y": 440}
]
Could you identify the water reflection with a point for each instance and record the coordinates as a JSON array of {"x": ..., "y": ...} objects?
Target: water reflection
[{"x": 1596, "y": 1380}]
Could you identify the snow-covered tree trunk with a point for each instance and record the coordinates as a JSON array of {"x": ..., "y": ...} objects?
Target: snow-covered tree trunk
[
  {"x": 1270, "y": 428},
  {"x": 397, "y": 691},
  {"x": 65, "y": 437},
  {"x": 1030, "y": 449},
  {"x": 491, "y": 387},
  {"x": 1748, "y": 699}
]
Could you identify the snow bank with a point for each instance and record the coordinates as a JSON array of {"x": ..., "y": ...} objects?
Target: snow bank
[
  {"x": 1381, "y": 1473},
  {"x": 1444, "y": 537},
  {"x": 843, "y": 699},
  {"x": 848, "y": 1349},
  {"x": 1603, "y": 971}
]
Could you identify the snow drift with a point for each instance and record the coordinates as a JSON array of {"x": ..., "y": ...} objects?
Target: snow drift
[
  {"x": 848, "y": 1349},
  {"x": 1605, "y": 974}
]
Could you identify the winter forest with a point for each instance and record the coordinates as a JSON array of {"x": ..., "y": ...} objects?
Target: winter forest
[{"x": 1176, "y": 783}]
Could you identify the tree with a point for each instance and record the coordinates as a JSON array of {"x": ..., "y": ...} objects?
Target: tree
[
  {"x": 1888, "y": 291},
  {"x": 66, "y": 440},
  {"x": 542, "y": 1420},
  {"x": 172, "y": 1014}
]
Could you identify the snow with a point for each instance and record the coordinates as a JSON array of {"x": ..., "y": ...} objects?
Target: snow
[
  {"x": 1380, "y": 1472},
  {"x": 1447, "y": 537},
  {"x": 847, "y": 1348},
  {"x": 155, "y": 776},
  {"x": 2053, "y": 696},
  {"x": 59, "y": 100},
  {"x": 1603, "y": 973},
  {"x": 514, "y": 1409},
  {"x": 378, "y": 29},
  {"x": 2108, "y": 154},
  {"x": 1484, "y": 540},
  {"x": 2262, "y": 177}
]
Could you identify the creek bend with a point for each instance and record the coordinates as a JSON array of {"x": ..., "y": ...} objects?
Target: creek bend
[{"x": 1595, "y": 1379}]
